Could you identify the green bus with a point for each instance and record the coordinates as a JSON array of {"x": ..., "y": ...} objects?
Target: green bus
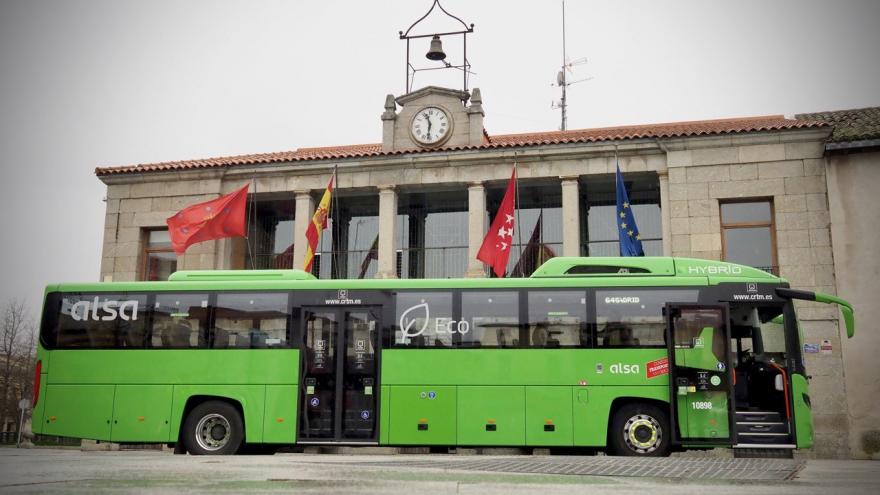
[{"x": 636, "y": 356}]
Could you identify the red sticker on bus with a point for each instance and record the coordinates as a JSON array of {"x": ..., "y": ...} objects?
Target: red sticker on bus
[{"x": 657, "y": 368}]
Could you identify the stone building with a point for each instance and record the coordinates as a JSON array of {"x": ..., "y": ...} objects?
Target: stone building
[{"x": 771, "y": 192}]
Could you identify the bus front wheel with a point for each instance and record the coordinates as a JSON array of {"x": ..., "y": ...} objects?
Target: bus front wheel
[
  {"x": 639, "y": 429},
  {"x": 213, "y": 428}
]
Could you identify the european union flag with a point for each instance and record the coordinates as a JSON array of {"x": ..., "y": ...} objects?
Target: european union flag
[{"x": 630, "y": 241}]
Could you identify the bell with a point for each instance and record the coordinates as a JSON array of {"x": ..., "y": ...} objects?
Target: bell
[{"x": 436, "y": 51}]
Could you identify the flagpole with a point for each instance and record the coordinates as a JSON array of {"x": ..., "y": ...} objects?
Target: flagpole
[
  {"x": 516, "y": 208},
  {"x": 334, "y": 216},
  {"x": 248, "y": 225}
]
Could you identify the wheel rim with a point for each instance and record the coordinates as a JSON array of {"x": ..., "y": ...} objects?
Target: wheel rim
[
  {"x": 213, "y": 432},
  {"x": 642, "y": 434}
]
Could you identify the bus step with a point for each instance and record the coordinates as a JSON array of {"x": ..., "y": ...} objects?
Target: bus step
[
  {"x": 764, "y": 451},
  {"x": 761, "y": 427},
  {"x": 758, "y": 417},
  {"x": 763, "y": 438}
]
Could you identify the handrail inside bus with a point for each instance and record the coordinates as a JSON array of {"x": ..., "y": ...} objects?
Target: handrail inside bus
[{"x": 845, "y": 307}]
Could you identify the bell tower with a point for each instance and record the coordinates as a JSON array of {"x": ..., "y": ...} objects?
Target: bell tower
[{"x": 434, "y": 117}]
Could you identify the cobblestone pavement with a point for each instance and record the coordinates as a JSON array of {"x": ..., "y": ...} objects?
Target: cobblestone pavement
[
  {"x": 76, "y": 472},
  {"x": 702, "y": 469}
]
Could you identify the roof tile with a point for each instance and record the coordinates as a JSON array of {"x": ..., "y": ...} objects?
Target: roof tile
[
  {"x": 667, "y": 130},
  {"x": 860, "y": 124}
]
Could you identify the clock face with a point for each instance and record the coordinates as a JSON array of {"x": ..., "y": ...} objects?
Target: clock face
[{"x": 431, "y": 125}]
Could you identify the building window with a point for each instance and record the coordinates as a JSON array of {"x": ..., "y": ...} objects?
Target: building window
[
  {"x": 159, "y": 258},
  {"x": 270, "y": 234},
  {"x": 432, "y": 237},
  {"x": 748, "y": 235}
]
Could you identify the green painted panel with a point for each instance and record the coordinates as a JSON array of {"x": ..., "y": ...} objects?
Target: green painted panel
[
  {"x": 141, "y": 413},
  {"x": 592, "y": 409},
  {"x": 502, "y": 409},
  {"x": 414, "y": 406},
  {"x": 176, "y": 366},
  {"x": 521, "y": 366},
  {"x": 549, "y": 416},
  {"x": 250, "y": 397},
  {"x": 81, "y": 411},
  {"x": 803, "y": 415},
  {"x": 279, "y": 425},
  {"x": 704, "y": 415},
  {"x": 384, "y": 414}
]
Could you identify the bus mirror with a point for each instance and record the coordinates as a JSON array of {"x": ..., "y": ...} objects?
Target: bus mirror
[
  {"x": 845, "y": 307},
  {"x": 848, "y": 320}
]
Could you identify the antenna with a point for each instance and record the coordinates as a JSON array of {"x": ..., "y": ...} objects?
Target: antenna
[{"x": 562, "y": 78}]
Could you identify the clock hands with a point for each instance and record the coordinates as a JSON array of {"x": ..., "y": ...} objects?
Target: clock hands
[{"x": 428, "y": 119}]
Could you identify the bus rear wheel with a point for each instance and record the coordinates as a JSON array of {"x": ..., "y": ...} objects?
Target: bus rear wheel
[
  {"x": 641, "y": 430},
  {"x": 213, "y": 428}
]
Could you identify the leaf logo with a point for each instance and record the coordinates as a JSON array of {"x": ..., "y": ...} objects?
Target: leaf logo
[{"x": 407, "y": 322}]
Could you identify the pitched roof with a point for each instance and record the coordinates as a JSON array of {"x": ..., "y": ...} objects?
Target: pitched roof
[
  {"x": 649, "y": 131},
  {"x": 859, "y": 124}
]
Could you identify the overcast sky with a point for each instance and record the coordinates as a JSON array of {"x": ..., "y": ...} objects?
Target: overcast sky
[{"x": 100, "y": 83}]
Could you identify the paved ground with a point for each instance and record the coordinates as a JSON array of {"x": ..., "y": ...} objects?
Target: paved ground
[{"x": 73, "y": 471}]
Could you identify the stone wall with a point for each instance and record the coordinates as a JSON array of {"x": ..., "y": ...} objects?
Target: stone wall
[
  {"x": 789, "y": 168},
  {"x": 855, "y": 209},
  {"x": 132, "y": 208}
]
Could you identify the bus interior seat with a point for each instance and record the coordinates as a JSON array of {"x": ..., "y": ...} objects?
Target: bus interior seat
[
  {"x": 615, "y": 336},
  {"x": 177, "y": 335},
  {"x": 540, "y": 336}
]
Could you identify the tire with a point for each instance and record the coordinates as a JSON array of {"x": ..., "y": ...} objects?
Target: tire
[
  {"x": 640, "y": 430},
  {"x": 213, "y": 428}
]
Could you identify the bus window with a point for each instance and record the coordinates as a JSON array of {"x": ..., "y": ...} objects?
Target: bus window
[
  {"x": 251, "y": 320},
  {"x": 424, "y": 319},
  {"x": 634, "y": 317},
  {"x": 758, "y": 333},
  {"x": 101, "y": 321},
  {"x": 492, "y": 319},
  {"x": 558, "y": 319},
  {"x": 180, "y": 320}
]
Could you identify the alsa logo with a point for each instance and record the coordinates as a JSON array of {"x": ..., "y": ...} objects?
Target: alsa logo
[
  {"x": 715, "y": 270},
  {"x": 88, "y": 310},
  {"x": 625, "y": 369}
]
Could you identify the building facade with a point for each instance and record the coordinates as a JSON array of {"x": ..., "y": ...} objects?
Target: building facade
[{"x": 761, "y": 191}]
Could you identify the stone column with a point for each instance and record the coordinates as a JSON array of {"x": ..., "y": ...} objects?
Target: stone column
[
  {"x": 571, "y": 213},
  {"x": 665, "y": 216},
  {"x": 387, "y": 234},
  {"x": 305, "y": 208},
  {"x": 476, "y": 228}
]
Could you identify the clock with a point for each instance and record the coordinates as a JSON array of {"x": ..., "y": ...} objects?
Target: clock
[{"x": 431, "y": 126}]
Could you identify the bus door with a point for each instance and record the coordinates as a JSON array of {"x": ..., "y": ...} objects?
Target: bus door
[
  {"x": 339, "y": 389},
  {"x": 701, "y": 388}
]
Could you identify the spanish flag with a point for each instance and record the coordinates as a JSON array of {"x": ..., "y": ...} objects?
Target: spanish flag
[{"x": 319, "y": 223}]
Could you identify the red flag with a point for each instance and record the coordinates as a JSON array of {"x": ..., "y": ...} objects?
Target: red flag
[
  {"x": 496, "y": 245},
  {"x": 215, "y": 219}
]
